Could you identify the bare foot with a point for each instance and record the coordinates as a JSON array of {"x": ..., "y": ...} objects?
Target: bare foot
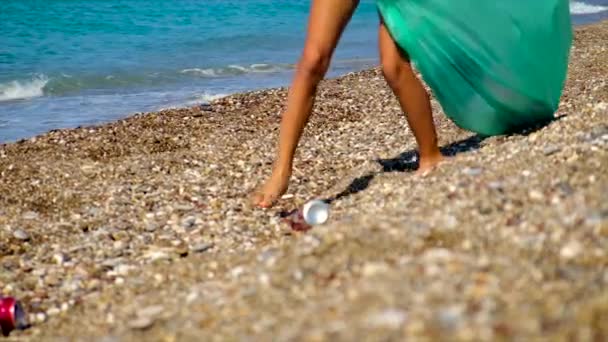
[
  {"x": 275, "y": 186},
  {"x": 428, "y": 163}
]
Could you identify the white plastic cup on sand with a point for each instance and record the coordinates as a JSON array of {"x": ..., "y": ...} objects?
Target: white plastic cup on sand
[{"x": 315, "y": 212}]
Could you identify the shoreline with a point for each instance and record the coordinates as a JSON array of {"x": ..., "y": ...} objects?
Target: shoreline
[
  {"x": 224, "y": 94},
  {"x": 139, "y": 229}
]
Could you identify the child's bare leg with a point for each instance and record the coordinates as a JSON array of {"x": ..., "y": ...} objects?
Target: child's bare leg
[
  {"x": 413, "y": 98},
  {"x": 325, "y": 25}
]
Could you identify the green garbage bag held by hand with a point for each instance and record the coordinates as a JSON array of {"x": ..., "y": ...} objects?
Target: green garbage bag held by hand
[{"x": 494, "y": 66}]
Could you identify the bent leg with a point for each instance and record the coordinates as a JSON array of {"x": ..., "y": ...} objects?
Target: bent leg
[
  {"x": 326, "y": 22},
  {"x": 412, "y": 97}
]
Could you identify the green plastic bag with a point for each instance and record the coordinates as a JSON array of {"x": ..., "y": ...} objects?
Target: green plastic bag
[{"x": 494, "y": 66}]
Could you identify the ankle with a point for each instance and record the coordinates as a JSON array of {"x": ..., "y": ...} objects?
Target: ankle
[{"x": 430, "y": 154}]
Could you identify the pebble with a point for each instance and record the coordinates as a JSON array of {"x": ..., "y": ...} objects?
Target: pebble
[
  {"x": 264, "y": 279},
  {"x": 40, "y": 317},
  {"x": 451, "y": 222},
  {"x": 123, "y": 269},
  {"x": 53, "y": 311},
  {"x": 472, "y": 171},
  {"x": 551, "y": 149},
  {"x": 594, "y": 219},
  {"x": 189, "y": 222},
  {"x": 201, "y": 247},
  {"x": 192, "y": 296},
  {"x": 159, "y": 278},
  {"x": 52, "y": 280},
  {"x": 141, "y": 323},
  {"x": 598, "y": 131},
  {"x": 111, "y": 263},
  {"x": 451, "y": 317},
  {"x": 110, "y": 318},
  {"x": 183, "y": 207},
  {"x": 93, "y": 285},
  {"x": 571, "y": 250},
  {"x": 390, "y": 319},
  {"x": 151, "y": 227},
  {"x": 94, "y": 211},
  {"x": 565, "y": 188},
  {"x": 237, "y": 271},
  {"x": 21, "y": 234},
  {"x": 496, "y": 185},
  {"x": 536, "y": 195},
  {"x": 438, "y": 255},
  {"x": 30, "y": 215},
  {"x": 373, "y": 268},
  {"x": 150, "y": 311},
  {"x": 297, "y": 275},
  {"x": 59, "y": 258},
  {"x": 154, "y": 255}
]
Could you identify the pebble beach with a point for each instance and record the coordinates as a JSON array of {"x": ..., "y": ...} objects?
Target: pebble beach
[{"x": 141, "y": 229}]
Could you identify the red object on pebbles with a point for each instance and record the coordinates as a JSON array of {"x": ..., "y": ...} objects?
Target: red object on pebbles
[{"x": 12, "y": 315}]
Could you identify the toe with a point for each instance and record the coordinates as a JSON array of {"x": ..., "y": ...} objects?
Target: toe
[
  {"x": 266, "y": 201},
  {"x": 255, "y": 198}
]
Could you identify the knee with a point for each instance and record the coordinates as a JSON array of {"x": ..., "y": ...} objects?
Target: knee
[
  {"x": 314, "y": 62},
  {"x": 391, "y": 69}
]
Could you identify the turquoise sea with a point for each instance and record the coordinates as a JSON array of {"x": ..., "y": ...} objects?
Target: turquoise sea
[{"x": 66, "y": 63}]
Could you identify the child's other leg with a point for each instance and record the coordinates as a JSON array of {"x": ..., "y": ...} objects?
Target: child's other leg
[{"x": 413, "y": 98}]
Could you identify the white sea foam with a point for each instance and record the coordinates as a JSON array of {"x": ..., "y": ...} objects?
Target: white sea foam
[
  {"x": 204, "y": 98},
  {"x": 200, "y": 72},
  {"x": 235, "y": 69},
  {"x": 194, "y": 100},
  {"x": 15, "y": 90},
  {"x": 238, "y": 68},
  {"x": 577, "y": 7},
  {"x": 263, "y": 67}
]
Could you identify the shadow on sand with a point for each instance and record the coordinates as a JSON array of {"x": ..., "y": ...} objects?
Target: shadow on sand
[{"x": 408, "y": 160}]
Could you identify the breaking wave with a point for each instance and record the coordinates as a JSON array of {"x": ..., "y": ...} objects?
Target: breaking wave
[
  {"x": 62, "y": 84},
  {"x": 205, "y": 98},
  {"x": 19, "y": 90},
  {"x": 235, "y": 70},
  {"x": 578, "y": 8}
]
